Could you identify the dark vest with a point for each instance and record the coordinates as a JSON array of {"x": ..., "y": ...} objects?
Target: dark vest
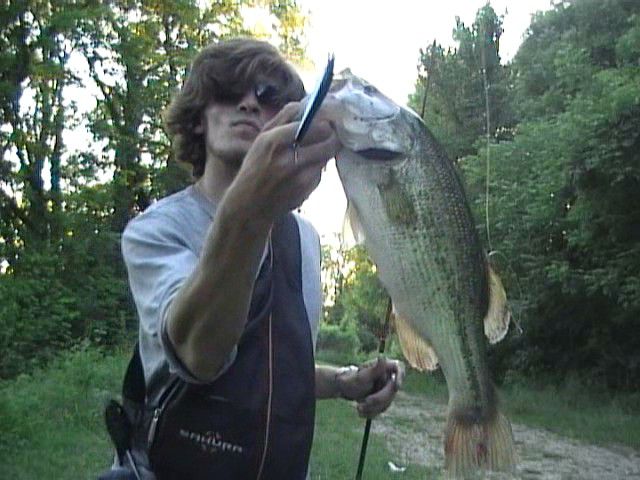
[{"x": 258, "y": 416}]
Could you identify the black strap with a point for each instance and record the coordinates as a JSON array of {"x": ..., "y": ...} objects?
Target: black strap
[{"x": 133, "y": 386}]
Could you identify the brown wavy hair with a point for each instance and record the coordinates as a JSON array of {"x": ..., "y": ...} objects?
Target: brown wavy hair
[{"x": 220, "y": 71}]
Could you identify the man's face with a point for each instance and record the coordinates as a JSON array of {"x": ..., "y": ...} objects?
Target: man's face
[{"x": 231, "y": 125}]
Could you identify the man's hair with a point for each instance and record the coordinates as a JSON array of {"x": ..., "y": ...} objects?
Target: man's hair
[{"x": 220, "y": 71}]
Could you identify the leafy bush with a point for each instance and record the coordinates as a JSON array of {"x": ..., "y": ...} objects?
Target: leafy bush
[
  {"x": 58, "y": 294},
  {"x": 338, "y": 339},
  {"x": 37, "y": 314}
]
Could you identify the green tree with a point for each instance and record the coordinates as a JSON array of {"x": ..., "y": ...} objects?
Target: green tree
[
  {"x": 36, "y": 40},
  {"x": 461, "y": 93},
  {"x": 138, "y": 53},
  {"x": 359, "y": 301},
  {"x": 61, "y": 278},
  {"x": 564, "y": 192}
]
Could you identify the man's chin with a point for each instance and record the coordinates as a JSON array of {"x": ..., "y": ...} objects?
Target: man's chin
[{"x": 230, "y": 155}]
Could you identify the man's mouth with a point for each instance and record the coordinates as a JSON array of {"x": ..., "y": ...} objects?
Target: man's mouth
[{"x": 247, "y": 123}]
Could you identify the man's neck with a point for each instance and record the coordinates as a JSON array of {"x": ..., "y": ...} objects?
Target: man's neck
[{"x": 217, "y": 177}]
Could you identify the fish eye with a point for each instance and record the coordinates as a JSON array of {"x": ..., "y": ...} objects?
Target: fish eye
[
  {"x": 337, "y": 84},
  {"x": 370, "y": 90}
]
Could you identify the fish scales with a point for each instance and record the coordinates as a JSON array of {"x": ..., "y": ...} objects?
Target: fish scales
[
  {"x": 453, "y": 239},
  {"x": 410, "y": 204}
]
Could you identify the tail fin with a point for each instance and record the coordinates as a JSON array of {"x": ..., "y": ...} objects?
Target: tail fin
[{"x": 475, "y": 443}]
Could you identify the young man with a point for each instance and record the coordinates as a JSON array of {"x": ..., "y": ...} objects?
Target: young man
[{"x": 227, "y": 282}]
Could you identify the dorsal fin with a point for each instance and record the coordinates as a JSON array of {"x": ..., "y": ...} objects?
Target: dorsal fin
[
  {"x": 496, "y": 322},
  {"x": 417, "y": 350}
]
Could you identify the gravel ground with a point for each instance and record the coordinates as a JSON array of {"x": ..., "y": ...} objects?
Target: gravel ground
[{"x": 412, "y": 429}]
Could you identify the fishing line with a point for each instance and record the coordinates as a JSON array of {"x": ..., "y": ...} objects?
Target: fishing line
[
  {"x": 488, "y": 178},
  {"x": 485, "y": 83},
  {"x": 486, "y": 197}
]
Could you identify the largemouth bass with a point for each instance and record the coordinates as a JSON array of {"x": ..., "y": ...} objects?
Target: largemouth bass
[{"x": 406, "y": 199}]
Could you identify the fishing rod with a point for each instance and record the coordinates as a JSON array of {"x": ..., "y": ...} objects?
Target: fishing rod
[{"x": 367, "y": 427}]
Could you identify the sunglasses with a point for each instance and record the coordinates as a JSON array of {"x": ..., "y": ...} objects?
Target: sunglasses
[{"x": 267, "y": 94}]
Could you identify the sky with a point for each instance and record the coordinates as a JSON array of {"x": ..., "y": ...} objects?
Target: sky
[{"x": 380, "y": 41}]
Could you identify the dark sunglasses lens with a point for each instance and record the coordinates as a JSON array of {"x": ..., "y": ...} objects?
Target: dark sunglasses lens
[{"x": 267, "y": 94}]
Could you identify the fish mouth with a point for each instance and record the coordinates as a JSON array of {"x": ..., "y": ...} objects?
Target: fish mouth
[
  {"x": 382, "y": 118},
  {"x": 379, "y": 154}
]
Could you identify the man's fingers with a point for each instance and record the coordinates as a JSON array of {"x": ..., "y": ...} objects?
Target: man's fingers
[
  {"x": 372, "y": 371},
  {"x": 308, "y": 181},
  {"x": 319, "y": 153},
  {"x": 283, "y": 135},
  {"x": 379, "y": 401},
  {"x": 287, "y": 114},
  {"x": 398, "y": 372}
]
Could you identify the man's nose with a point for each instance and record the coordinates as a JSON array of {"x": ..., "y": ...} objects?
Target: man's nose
[{"x": 249, "y": 102}]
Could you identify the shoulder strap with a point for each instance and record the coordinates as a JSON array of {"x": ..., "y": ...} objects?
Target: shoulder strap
[{"x": 133, "y": 386}]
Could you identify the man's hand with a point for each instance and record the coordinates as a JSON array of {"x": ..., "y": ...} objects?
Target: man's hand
[
  {"x": 274, "y": 179},
  {"x": 372, "y": 385}
]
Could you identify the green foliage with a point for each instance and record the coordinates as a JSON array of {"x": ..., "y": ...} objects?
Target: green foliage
[
  {"x": 343, "y": 339},
  {"x": 575, "y": 410},
  {"x": 454, "y": 86},
  {"x": 577, "y": 37},
  {"x": 63, "y": 206},
  {"x": 359, "y": 300},
  {"x": 58, "y": 296},
  {"x": 628, "y": 46},
  {"x": 52, "y": 420},
  {"x": 291, "y": 32},
  {"x": 37, "y": 314},
  {"x": 562, "y": 198}
]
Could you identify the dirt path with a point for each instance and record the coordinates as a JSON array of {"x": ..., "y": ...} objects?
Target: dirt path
[{"x": 413, "y": 433}]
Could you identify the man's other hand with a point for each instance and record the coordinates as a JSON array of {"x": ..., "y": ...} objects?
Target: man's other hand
[{"x": 373, "y": 385}]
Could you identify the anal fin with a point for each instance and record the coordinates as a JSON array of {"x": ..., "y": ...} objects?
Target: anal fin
[{"x": 496, "y": 322}]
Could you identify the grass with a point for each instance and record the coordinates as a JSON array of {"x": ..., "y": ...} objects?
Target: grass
[
  {"x": 336, "y": 447},
  {"x": 51, "y": 422},
  {"x": 571, "y": 410},
  {"x": 592, "y": 417}
]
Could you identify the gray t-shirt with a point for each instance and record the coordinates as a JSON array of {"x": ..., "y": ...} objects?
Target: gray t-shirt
[{"x": 161, "y": 248}]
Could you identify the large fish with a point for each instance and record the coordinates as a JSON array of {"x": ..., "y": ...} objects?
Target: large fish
[{"x": 406, "y": 199}]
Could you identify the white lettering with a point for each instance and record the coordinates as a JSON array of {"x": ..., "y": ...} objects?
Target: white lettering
[{"x": 211, "y": 442}]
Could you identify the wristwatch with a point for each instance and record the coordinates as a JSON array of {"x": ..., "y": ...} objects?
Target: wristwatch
[{"x": 337, "y": 379}]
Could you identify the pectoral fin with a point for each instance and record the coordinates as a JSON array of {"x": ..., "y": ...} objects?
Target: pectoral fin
[
  {"x": 416, "y": 349},
  {"x": 496, "y": 322},
  {"x": 352, "y": 225}
]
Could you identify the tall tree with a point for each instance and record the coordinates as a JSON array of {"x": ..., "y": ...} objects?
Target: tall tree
[
  {"x": 63, "y": 207},
  {"x": 138, "y": 53},
  {"x": 36, "y": 40},
  {"x": 462, "y": 91},
  {"x": 564, "y": 191}
]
